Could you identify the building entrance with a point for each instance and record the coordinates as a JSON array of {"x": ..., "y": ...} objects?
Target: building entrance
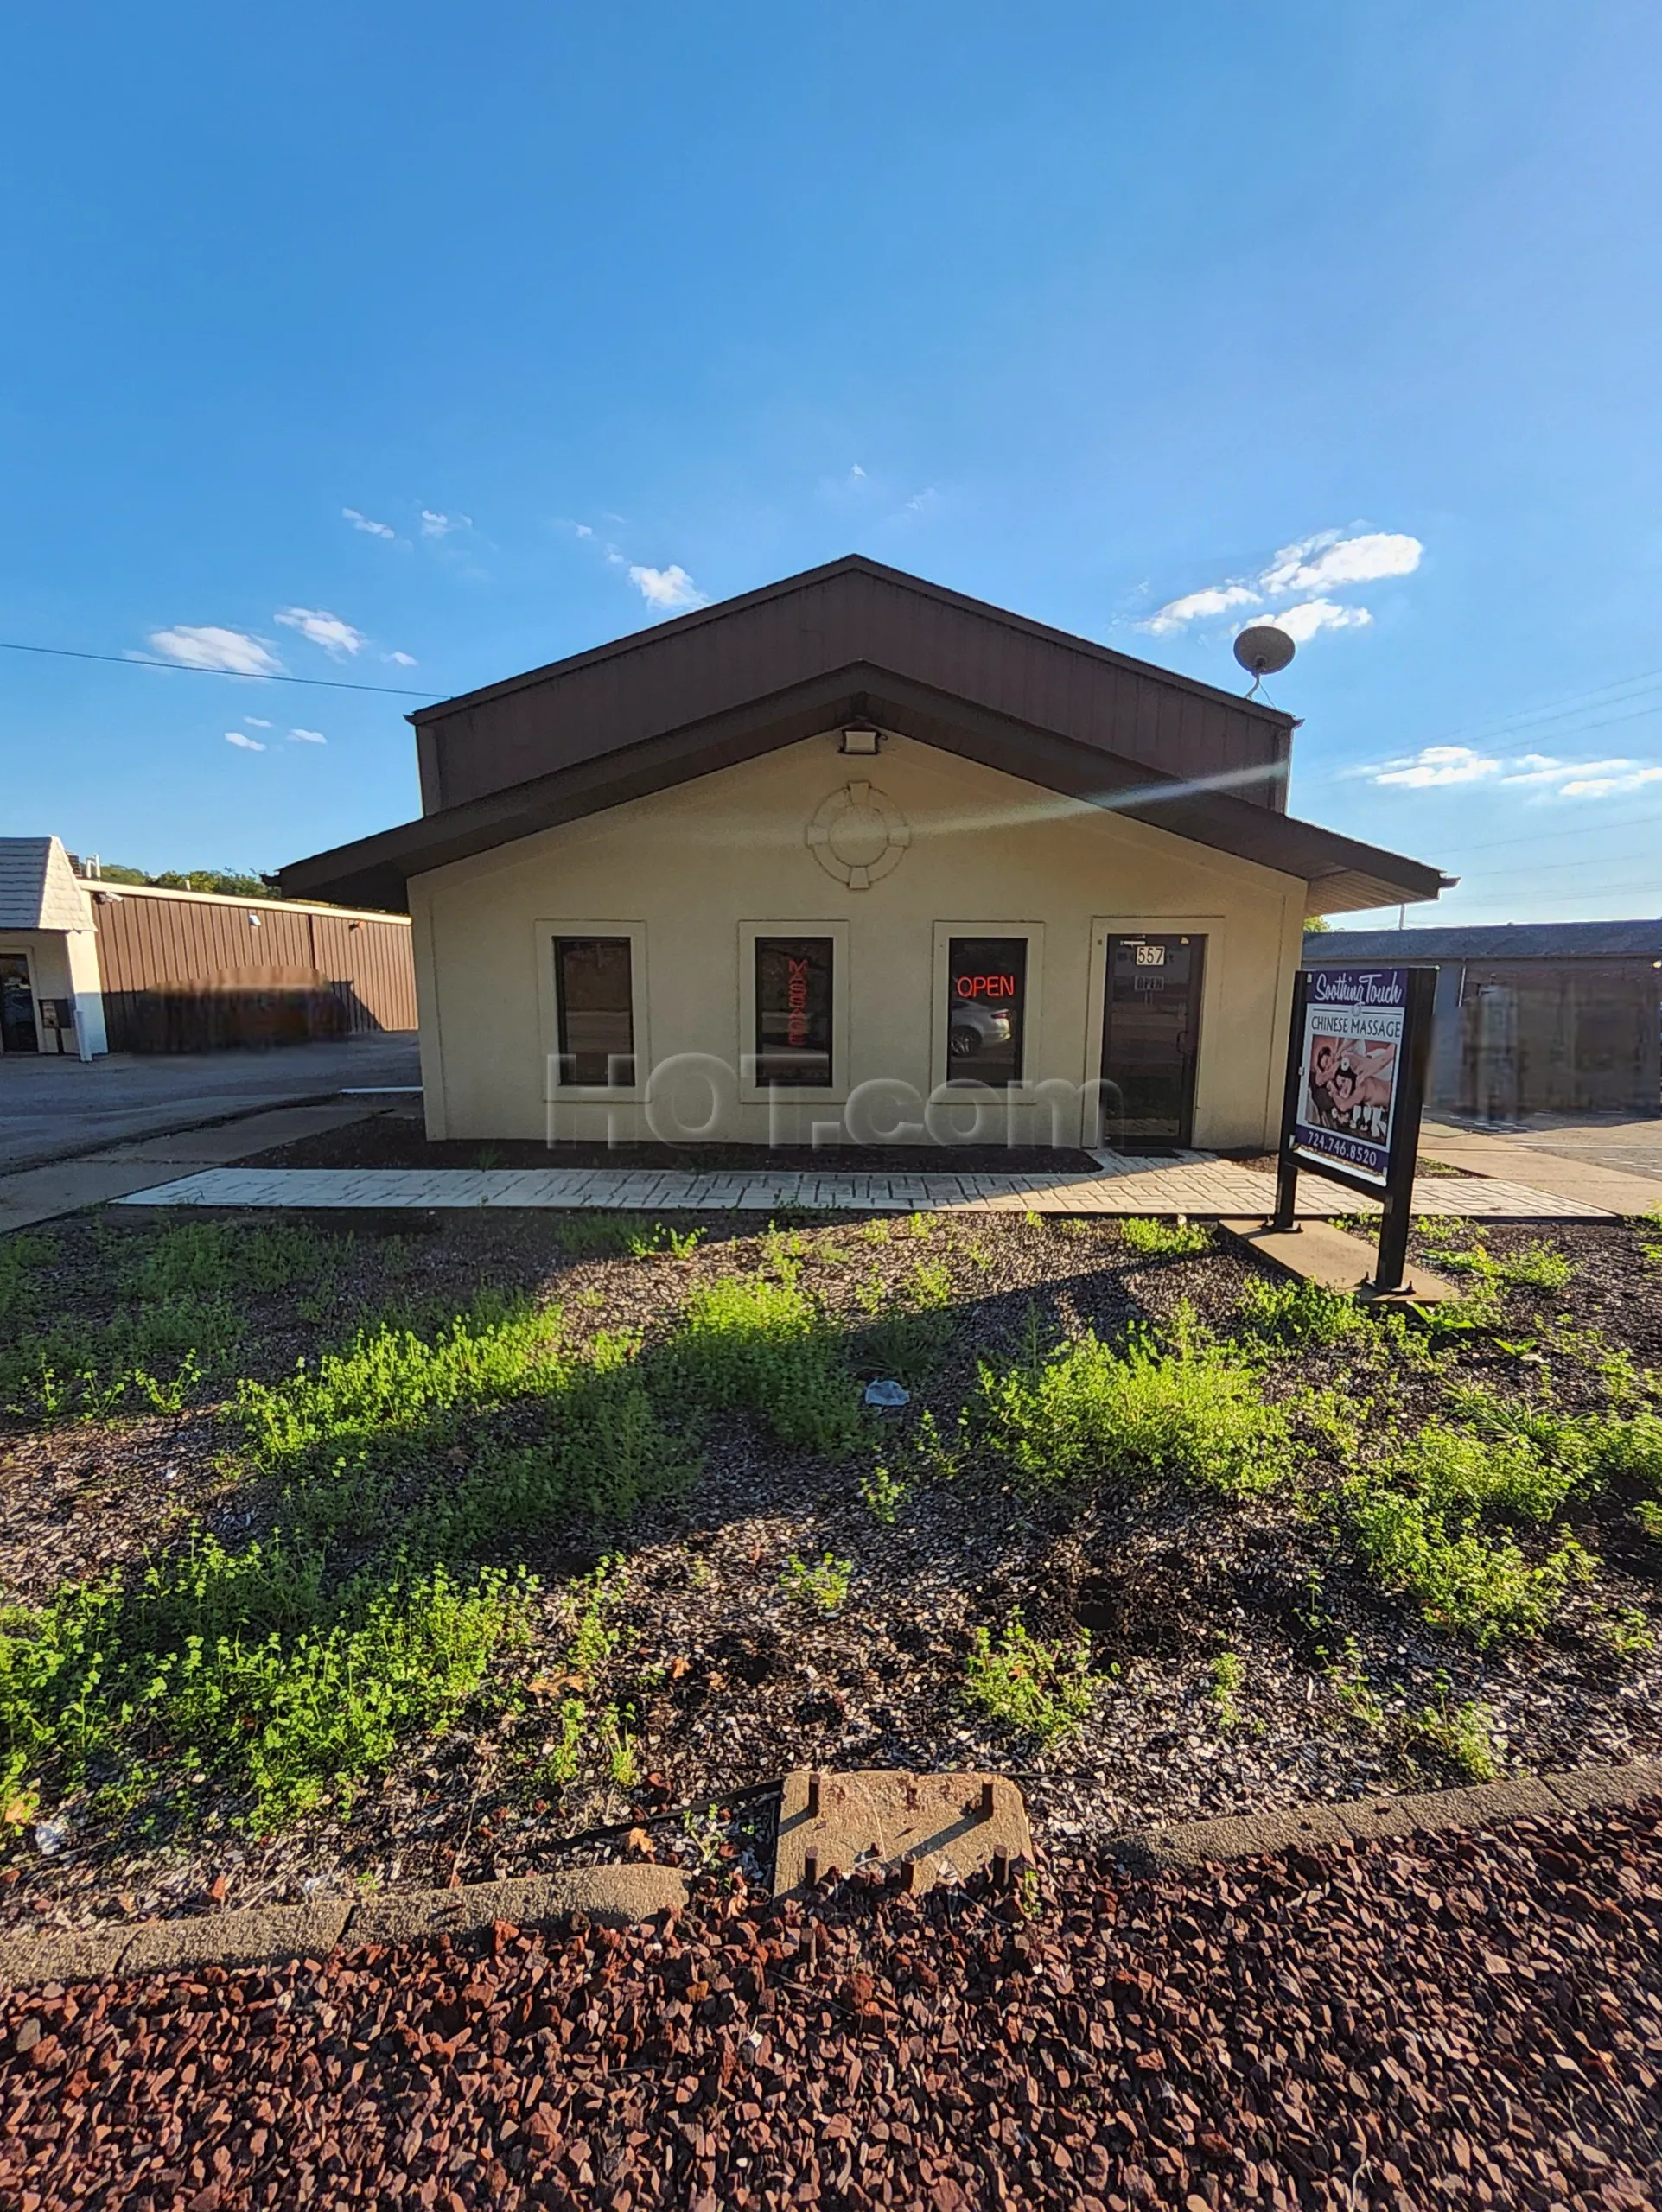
[{"x": 1150, "y": 1040}]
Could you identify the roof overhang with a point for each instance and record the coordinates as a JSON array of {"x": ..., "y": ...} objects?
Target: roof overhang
[{"x": 1344, "y": 875}]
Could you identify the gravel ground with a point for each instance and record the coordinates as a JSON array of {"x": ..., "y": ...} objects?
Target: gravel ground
[
  {"x": 1465, "y": 2019},
  {"x": 734, "y": 1679}
]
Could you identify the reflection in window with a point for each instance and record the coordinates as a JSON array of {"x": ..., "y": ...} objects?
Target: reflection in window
[
  {"x": 794, "y": 1012},
  {"x": 595, "y": 1010},
  {"x": 987, "y": 981}
]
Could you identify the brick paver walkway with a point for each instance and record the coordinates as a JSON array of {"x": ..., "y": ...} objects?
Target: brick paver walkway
[{"x": 1198, "y": 1184}]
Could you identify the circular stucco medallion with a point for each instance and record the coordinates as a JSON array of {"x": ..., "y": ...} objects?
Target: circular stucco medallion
[{"x": 858, "y": 836}]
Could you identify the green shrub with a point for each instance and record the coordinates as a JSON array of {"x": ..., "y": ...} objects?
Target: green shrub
[
  {"x": 1089, "y": 1412},
  {"x": 765, "y": 1347},
  {"x": 1165, "y": 1239},
  {"x": 1046, "y": 1690}
]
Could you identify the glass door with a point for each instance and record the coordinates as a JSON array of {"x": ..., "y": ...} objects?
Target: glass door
[
  {"x": 17, "y": 1030},
  {"x": 1150, "y": 1040}
]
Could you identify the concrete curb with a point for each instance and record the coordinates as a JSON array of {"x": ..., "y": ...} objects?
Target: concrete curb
[
  {"x": 622, "y": 1896},
  {"x": 617, "y": 1896},
  {"x": 1309, "y": 1827}
]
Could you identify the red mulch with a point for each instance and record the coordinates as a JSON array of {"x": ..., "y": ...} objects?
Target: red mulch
[{"x": 1466, "y": 2019}]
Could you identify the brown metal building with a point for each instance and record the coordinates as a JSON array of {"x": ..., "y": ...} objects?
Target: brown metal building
[
  {"x": 1531, "y": 1017},
  {"x": 187, "y": 971}
]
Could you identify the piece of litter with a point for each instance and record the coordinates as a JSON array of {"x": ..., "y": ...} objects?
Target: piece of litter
[{"x": 885, "y": 1393}]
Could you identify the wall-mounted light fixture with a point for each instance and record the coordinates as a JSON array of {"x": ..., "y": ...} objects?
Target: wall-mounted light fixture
[
  {"x": 254, "y": 922},
  {"x": 863, "y": 739}
]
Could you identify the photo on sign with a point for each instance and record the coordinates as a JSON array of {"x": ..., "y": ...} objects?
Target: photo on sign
[{"x": 1349, "y": 1083}]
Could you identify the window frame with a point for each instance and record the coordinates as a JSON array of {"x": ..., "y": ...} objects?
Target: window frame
[
  {"x": 554, "y": 1086},
  {"x": 752, "y": 1093},
  {"x": 941, "y": 1060}
]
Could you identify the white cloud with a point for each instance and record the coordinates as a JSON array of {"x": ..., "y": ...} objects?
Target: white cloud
[
  {"x": 1199, "y": 606},
  {"x": 856, "y": 474},
  {"x": 1581, "y": 779},
  {"x": 1302, "y": 622},
  {"x": 921, "y": 500},
  {"x": 318, "y": 628},
  {"x": 309, "y": 736},
  {"x": 248, "y": 744},
  {"x": 583, "y": 529},
  {"x": 401, "y": 660},
  {"x": 437, "y": 525},
  {"x": 1433, "y": 766},
  {"x": 1329, "y": 561},
  {"x": 254, "y": 722},
  {"x": 370, "y": 528},
  {"x": 1633, "y": 777},
  {"x": 670, "y": 588},
  {"x": 232, "y": 651}
]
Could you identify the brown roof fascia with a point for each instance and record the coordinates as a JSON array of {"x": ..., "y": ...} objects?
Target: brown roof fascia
[
  {"x": 1352, "y": 875},
  {"x": 849, "y": 564}
]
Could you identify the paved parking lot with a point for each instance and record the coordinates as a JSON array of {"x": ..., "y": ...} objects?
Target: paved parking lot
[{"x": 59, "y": 1109}]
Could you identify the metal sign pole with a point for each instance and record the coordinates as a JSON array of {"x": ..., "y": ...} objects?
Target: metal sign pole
[
  {"x": 1287, "y": 1169},
  {"x": 1405, "y": 1132}
]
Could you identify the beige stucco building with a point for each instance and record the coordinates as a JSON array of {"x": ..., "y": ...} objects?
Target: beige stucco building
[{"x": 854, "y": 859}]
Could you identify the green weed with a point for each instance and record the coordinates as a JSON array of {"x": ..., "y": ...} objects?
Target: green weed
[
  {"x": 392, "y": 1385},
  {"x": 1227, "y": 1678},
  {"x": 1628, "y": 1633},
  {"x": 1089, "y": 1412},
  {"x": 1466, "y": 1735},
  {"x": 1479, "y": 1585},
  {"x": 882, "y": 1494},
  {"x": 764, "y": 1346},
  {"x": 824, "y": 1587},
  {"x": 21, "y": 1257},
  {"x": 1298, "y": 1316},
  {"x": 1045, "y": 1690},
  {"x": 1165, "y": 1239}
]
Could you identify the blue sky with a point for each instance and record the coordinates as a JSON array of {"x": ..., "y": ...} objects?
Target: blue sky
[{"x": 416, "y": 345}]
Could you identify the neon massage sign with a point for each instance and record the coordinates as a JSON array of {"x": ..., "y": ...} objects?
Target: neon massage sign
[{"x": 796, "y": 1000}]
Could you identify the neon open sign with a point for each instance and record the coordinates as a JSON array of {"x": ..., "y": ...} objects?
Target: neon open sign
[{"x": 985, "y": 987}]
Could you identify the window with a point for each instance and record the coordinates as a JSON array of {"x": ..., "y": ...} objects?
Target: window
[
  {"x": 594, "y": 1002},
  {"x": 794, "y": 1013},
  {"x": 986, "y": 1007}
]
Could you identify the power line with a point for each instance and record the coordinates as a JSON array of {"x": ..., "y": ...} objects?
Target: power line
[
  {"x": 241, "y": 674},
  {"x": 1555, "y": 868}
]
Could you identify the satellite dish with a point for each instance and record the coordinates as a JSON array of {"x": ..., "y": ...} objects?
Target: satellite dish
[{"x": 1263, "y": 650}]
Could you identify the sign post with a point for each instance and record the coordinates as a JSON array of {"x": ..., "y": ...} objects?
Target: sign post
[{"x": 1356, "y": 1066}]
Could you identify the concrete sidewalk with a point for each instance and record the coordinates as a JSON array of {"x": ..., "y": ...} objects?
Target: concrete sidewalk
[
  {"x": 1615, "y": 1166},
  {"x": 37, "y": 1194},
  {"x": 57, "y": 1108},
  {"x": 1202, "y": 1187}
]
